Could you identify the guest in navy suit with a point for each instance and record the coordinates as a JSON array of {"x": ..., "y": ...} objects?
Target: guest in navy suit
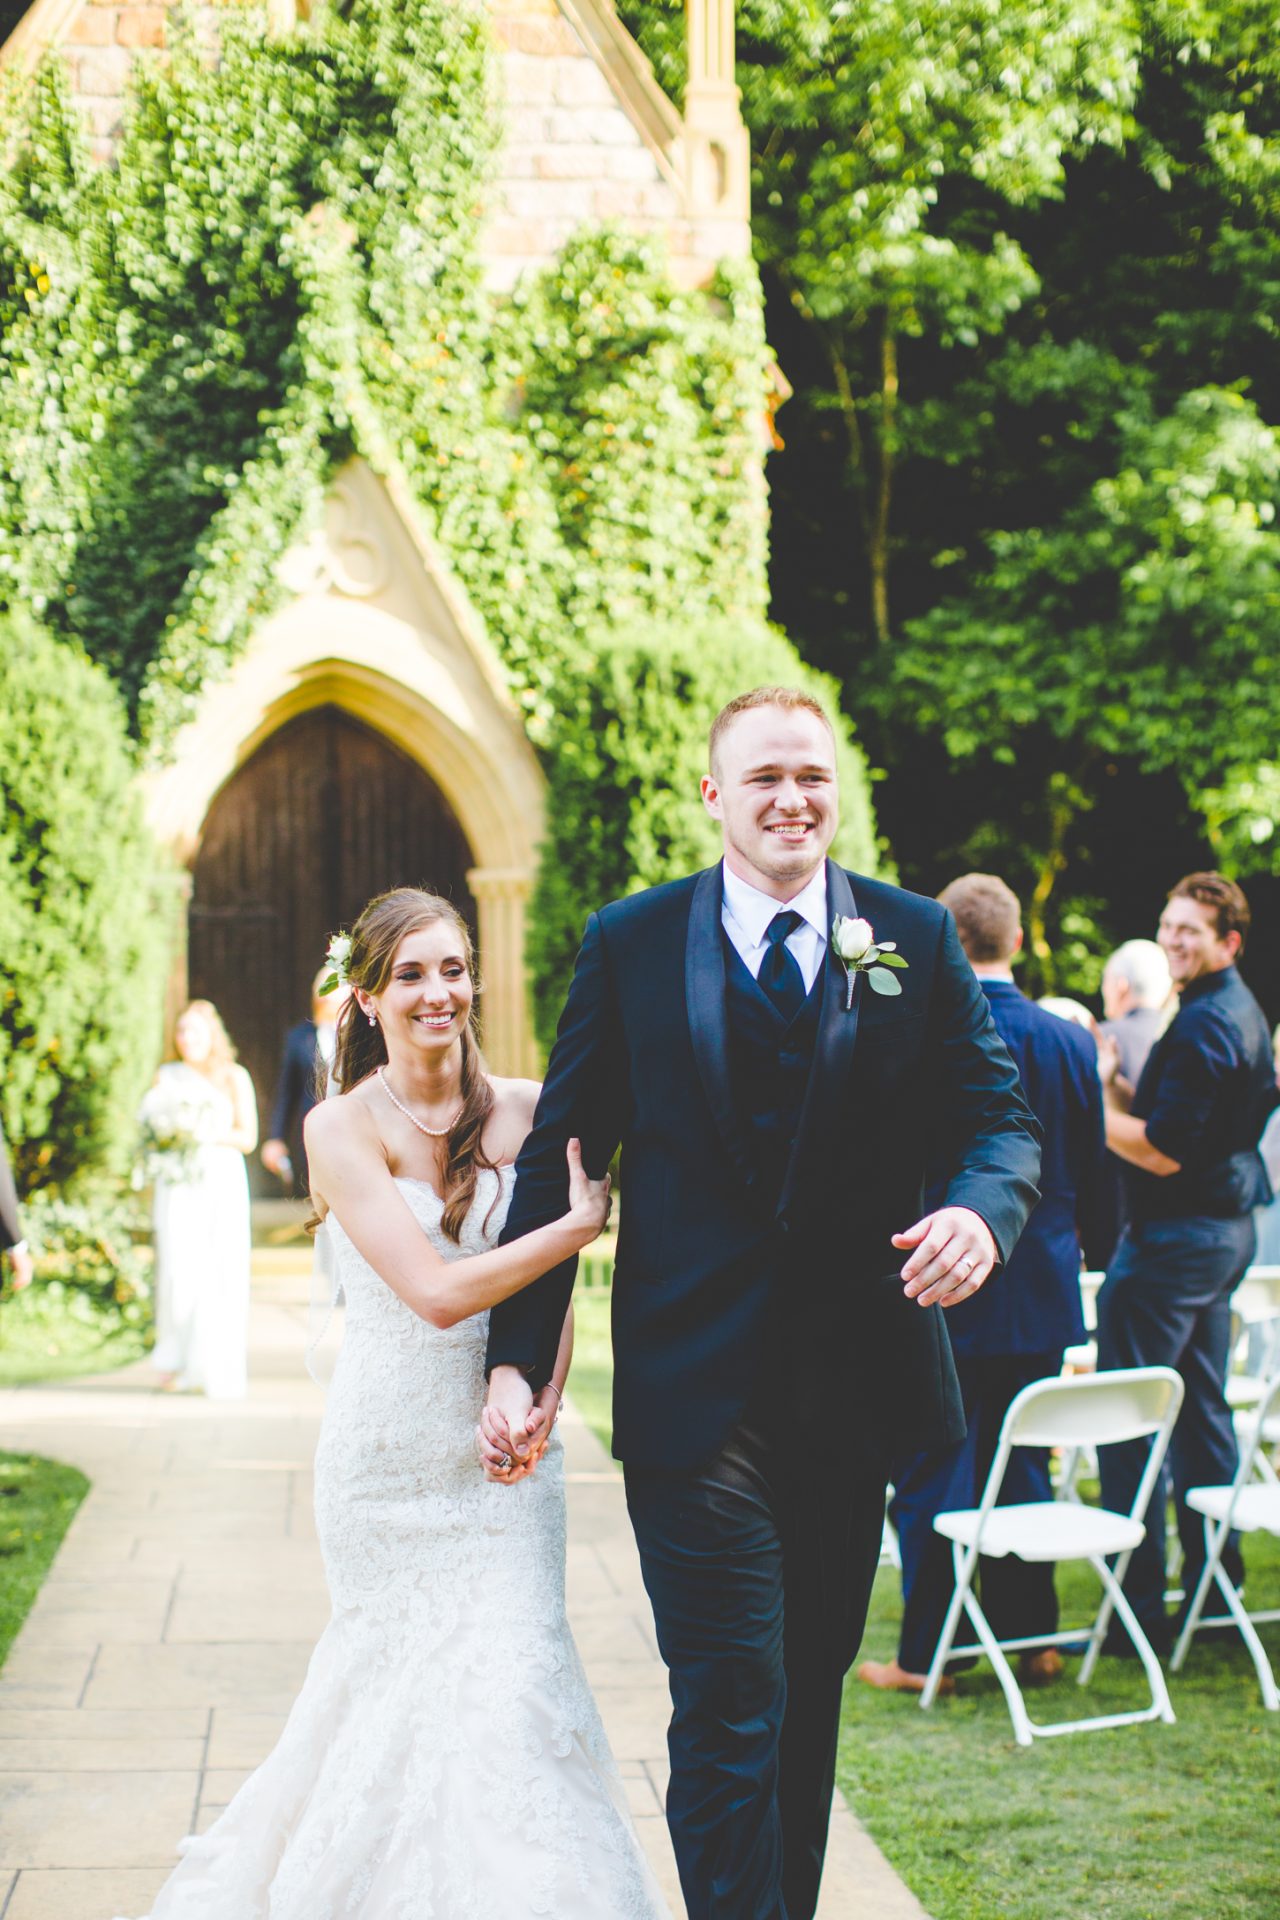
[
  {"x": 1016, "y": 1329},
  {"x": 304, "y": 1069}
]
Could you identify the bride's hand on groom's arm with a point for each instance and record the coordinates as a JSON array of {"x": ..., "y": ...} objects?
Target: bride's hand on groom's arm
[
  {"x": 952, "y": 1253},
  {"x": 590, "y": 1201}
]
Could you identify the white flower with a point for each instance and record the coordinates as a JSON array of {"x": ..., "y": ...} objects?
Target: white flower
[
  {"x": 852, "y": 939},
  {"x": 338, "y": 957},
  {"x": 858, "y": 950}
]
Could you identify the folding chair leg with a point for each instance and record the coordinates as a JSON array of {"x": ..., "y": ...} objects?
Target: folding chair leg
[
  {"x": 1249, "y": 1634},
  {"x": 1146, "y": 1653},
  {"x": 1022, "y": 1732},
  {"x": 1096, "y": 1638},
  {"x": 963, "y": 1568},
  {"x": 1214, "y": 1541}
]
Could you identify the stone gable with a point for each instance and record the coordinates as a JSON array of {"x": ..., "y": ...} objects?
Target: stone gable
[{"x": 589, "y": 135}]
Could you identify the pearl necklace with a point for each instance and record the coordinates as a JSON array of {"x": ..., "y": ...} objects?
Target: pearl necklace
[{"x": 436, "y": 1133}]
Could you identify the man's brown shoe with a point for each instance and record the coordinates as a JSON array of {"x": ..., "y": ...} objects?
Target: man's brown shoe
[
  {"x": 1040, "y": 1669},
  {"x": 891, "y": 1678}
]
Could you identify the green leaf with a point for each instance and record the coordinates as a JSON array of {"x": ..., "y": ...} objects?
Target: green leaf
[
  {"x": 881, "y": 982},
  {"x": 892, "y": 960}
]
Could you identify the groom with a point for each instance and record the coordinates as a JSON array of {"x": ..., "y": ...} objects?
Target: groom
[{"x": 771, "y": 1344}]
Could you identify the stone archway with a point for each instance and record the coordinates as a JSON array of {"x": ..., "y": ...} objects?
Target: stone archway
[
  {"x": 323, "y": 815},
  {"x": 377, "y": 629}
]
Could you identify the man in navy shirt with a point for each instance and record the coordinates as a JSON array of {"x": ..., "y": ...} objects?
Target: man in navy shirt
[
  {"x": 1017, "y": 1328},
  {"x": 1188, "y": 1136}
]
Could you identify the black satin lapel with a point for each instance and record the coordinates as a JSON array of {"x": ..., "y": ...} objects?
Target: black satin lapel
[
  {"x": 708, "y": 1015},
  {"x": 832, "y": 1054}
]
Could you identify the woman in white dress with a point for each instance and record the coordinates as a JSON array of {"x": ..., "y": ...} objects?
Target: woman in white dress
[
  {"x": 445, "y": 1759},
  {"x": 201, "y": 1192}
]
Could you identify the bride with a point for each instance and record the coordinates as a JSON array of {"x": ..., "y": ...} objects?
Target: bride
[{"x": 445, "y": 1759}]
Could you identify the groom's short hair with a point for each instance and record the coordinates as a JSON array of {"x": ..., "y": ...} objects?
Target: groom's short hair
[
  {"x": 987, "y": 916},
  {"x": 790, "y": 699}
]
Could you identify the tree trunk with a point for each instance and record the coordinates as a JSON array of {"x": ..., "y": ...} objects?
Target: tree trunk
[
  {"x": 1067, "y": 798},
  {"x": 881, "y": 502}
]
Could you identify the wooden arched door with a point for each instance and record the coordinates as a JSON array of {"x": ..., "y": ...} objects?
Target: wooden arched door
[{"x": 323, "y": 816}]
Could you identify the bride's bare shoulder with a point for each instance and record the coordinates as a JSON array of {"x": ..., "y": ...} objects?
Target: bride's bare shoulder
[
  {"x": 346, "y": 1120},
  {"x": 515, "y": 1098}
]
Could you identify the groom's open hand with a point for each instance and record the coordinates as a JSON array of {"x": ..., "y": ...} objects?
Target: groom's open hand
[{"x": 953, "y": 1254}]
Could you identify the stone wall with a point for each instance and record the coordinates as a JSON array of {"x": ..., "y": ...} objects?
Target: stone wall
[
  {"x": 572, "y": 153},
  {"x": 589, "y": 135}
]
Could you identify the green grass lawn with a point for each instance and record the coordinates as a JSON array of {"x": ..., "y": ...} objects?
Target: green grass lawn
[
  {"x": 38, "y": 1499},
  {"x": 50, "y": 1339},
  {"x": 1134, "y": 1823},
  {"x": 591, "y": 1378}
]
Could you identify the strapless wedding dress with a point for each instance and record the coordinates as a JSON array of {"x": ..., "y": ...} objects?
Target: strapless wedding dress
[{"x": 445, "y": 1759}]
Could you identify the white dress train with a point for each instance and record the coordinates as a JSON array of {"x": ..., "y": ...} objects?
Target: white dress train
[{"x": 447, "y": 1666}]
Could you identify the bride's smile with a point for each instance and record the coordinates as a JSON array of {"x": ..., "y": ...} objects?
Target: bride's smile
[{"x": 429, "y": 995}]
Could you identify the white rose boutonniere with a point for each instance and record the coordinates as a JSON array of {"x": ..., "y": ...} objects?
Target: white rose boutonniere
[{"x": 859, "y": 951}]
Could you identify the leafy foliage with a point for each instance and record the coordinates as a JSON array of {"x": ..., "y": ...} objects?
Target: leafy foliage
[
  {"x": 93, "y": 1260},
  {"x": 83, "y": 916},
  {"x": 284, "y": 269},
  {"x": 1052, "y": 453}
]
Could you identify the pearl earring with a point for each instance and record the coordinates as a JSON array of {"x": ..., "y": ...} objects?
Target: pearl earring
[{"x": 372, "y": 1019}]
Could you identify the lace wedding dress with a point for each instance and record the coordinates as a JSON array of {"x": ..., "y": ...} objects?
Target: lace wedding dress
[{"x": 445, "y": 1759}]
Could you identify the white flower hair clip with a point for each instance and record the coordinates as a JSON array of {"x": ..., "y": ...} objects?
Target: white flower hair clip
[{"x": 338, "y": 956}]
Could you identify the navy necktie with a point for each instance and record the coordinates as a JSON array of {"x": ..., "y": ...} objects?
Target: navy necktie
[{"x": 780, "y": 974}]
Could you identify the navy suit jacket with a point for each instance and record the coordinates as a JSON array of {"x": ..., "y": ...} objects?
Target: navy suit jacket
[
  {"x": 296, "y": 1087},
  {"x": 1033, "y": 1304},
  {"x": 710, "y": 1269}
]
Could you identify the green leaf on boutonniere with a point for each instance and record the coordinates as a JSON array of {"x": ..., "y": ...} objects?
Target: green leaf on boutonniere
[
  {"x": 881, "y": 982},
  {"x": 890, "y": 959}
]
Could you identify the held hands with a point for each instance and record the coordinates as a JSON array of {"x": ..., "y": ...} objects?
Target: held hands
[
  {"x": 515, "y": 1426},
  {"x": 589, "y": 1200},
  {"x": 953, "y": 1254}
]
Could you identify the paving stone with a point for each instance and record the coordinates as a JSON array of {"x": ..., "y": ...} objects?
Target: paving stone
[
  {"x": 251, "y": 1615},
  {"x": 48, "y": 1628},
  {"x": 86, "y": 1723},
  {"x": 242, "y": 1739},
  {"x": 221, "y": 1785},
  {"x": 268, "y": 1673},
  {"x": 93, "y": 1819},
  {"x": 60, "y": 1594},
  {"x": 84, "y": 1894},
  {"x": 119, "y": 1756}
]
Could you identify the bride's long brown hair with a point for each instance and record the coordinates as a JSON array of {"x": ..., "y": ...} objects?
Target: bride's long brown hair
[{"x": 360, "y": 1048}]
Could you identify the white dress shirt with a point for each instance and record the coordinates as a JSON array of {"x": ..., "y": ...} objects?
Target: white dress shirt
[{"x": 746, "y": 913}]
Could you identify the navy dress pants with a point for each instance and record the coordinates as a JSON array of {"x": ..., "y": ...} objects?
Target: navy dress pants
[
  {"x": 759, "y": 1565},
  {"x": 1018, "y": 1597},
  {"x": 1166, "y": 1301}
]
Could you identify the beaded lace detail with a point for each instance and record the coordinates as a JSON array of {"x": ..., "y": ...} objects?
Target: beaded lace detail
[{"x": 448, "y": 1666}]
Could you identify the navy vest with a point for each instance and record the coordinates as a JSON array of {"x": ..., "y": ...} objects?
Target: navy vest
[{"x": 769, "y": 1065}]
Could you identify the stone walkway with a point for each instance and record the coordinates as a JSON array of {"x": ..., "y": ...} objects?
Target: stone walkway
[{"x": 158, "y": 1664}]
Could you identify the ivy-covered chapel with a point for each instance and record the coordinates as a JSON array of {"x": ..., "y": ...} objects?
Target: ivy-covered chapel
[{"x": 384, "y": 405}]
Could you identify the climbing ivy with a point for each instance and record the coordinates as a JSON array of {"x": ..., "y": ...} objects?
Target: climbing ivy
[{"x": 282, "y": 268}]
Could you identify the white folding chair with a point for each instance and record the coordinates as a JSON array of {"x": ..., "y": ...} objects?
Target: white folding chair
[
  {"x": 1094, "y": 1410},
  {"x": 1249, "y": 1506}
]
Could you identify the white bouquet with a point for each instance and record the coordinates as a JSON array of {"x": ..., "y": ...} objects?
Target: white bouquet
[{"x": 172, "y": 1130}]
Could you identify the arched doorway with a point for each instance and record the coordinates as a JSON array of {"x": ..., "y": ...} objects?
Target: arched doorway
[{"x": 326, "y": 813}]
